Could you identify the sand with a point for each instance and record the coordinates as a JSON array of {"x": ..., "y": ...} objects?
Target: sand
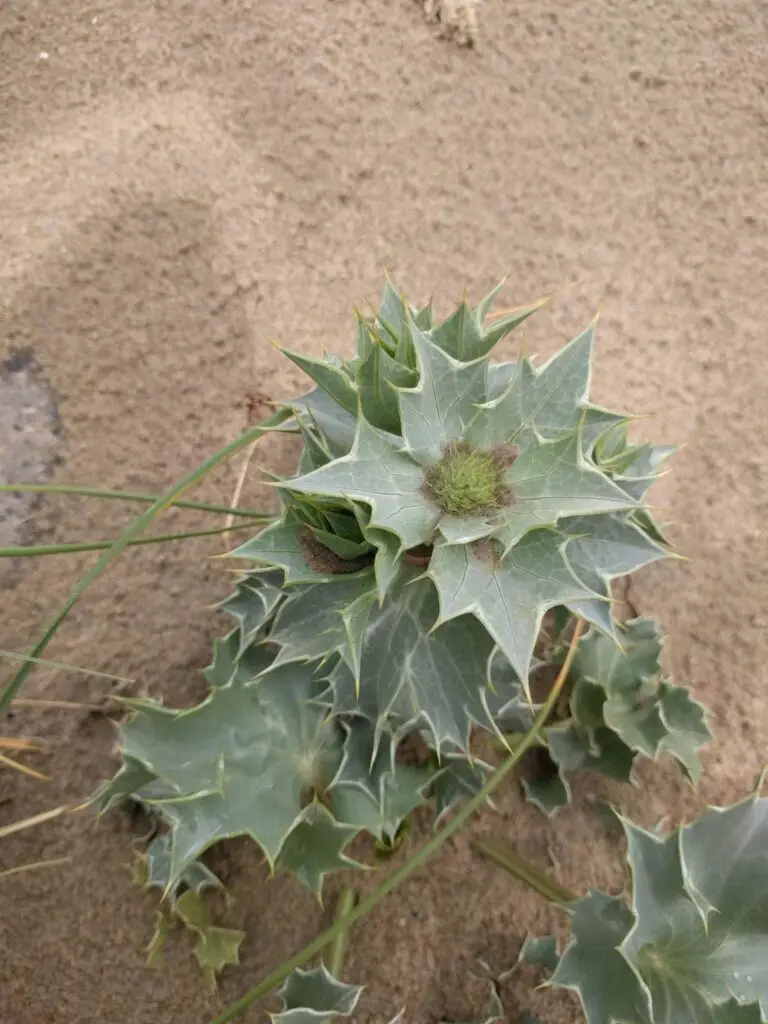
[{"x": 181, "y": 182}]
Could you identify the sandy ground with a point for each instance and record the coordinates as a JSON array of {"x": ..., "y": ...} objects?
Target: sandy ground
[{"x": 181, "y": 181}]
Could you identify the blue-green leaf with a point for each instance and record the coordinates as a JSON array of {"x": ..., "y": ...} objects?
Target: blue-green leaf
[{"x": 311, "y": 997}]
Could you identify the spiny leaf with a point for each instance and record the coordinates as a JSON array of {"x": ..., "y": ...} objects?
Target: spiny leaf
[
  {"x": 323, "y": 619},
  {"x": 347, "y": 550},
  {"x": 648, "y": 524},
  {"x": 602, "y": 548},
  {"x": 331, "y": 378},
  {"x": 595, "y": 423},
  {"x": 386, "y": 562},
  {"x": 334, "y": 424},
  {"x": 509, "y": 595},
  {"x": 317, "y": 451},
  {"x": 441, "y": 406},
  {"x": 157, "y": 859},
  {"x": 542, "y": 952},
  {"x": 547, "y": 788},
  {"x": 414, "y": 673},
  {"x": 423, "y": 317},
  {"x": 253, "y": 604},
  {"x": 232, "y": 664},
  {"x": 628, "y": 693},
  {"x": 315, "y": 847},
  {"x": 393, "y": 312},
  {"x": 635, "y": 467},
  {"x": 156, "y": 947},
  {"x": 365, "y": 339},
  {"x": 385, "y": 479},
  {"x": 456, "y": 778},
  {"x": 239, "y": 763},
  {"x": 461, "y": 336},
  {"x": 549, "y": 400},
  {"x": 464, "y": 334},
  {"x": 377, "y": 378},
  {"x": 551, "y": 480},
  {"x": 216, "y": 947},
  {"x": 602, "y": 750},
  {"x": 310, "y": 997},
  {"x": 694, "y": 944},
  {"x": 286, "y": 545},
  {"x": 502, "y": 326},
  {"x": 372, "y": 790},
  {"x": 609, "y": 986},
  {"x": 131, "y": 777},
  {"x": 685, "y": 721}
]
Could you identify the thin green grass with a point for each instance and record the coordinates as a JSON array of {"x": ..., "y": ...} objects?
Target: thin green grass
[
  {"x": 132, "y": 532},
  {"x": 46, "y": 663},
  {"x": 94, "y": 492},
  {"x": 36, "y": 550}
]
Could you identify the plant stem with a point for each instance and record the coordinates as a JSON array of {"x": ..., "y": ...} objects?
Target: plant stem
[
  {"x": 510, "y": 739},
  {"x": 35, "y": 819},
  {"x": 23, "y": 769},
  {"x": 505, "y": 857},
  {"x": 103, "y": 545},
  {"x": 134, "y": 530},
  {"x": 63, "y": 665},
  {"x": 338, "y": 952},
  {"x": 427, "y": 851},
  {"x": 148, "y": 499},
  {"x": 63, "y": 705},
  {"x": 35, "y": 866}
]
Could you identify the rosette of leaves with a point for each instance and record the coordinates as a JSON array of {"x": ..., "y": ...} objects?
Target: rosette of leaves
[
  {"x": 443, "y": 504},
  {"x": 621, "y": 706},
  {"x": 691, "y": 946}
]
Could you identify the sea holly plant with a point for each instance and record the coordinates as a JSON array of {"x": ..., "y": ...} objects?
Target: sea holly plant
[
  {"x": 443, "y": 504},
  {"x": 447, "y": 508}
]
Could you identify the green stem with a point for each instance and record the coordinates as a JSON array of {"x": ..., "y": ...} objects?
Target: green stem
[
  {"x": 427, "y": 851},
  {"x": 148, "y": 499},
  {"x": 510, "y": 739},
  {"x": 134, "y": 530},
  {"x": 16, "y": 656},
  {"x": 102, "y": 545},
  {"x": 505, "y": 857},
  {"x": 338, "y": 952}
]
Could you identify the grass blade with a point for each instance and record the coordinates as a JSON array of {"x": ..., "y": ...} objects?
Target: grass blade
[
  {"x": 63, "y": 705},
  {"x": 31, "y": 822},
  {"x": 532, "y": 876},
  {"x": 338, "y": 952},
  {"x": 22, "y": 868},
  {"x": 16, "y": 656},
  {"x": 18, "y": 743},
  {"x": 103, "y": 545},
  {"x": 148, "y": 499},
  {"x": 136, "y": 528},
  {"x": 427, "y": 851},
  {"x": 18, "y": 767}
]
